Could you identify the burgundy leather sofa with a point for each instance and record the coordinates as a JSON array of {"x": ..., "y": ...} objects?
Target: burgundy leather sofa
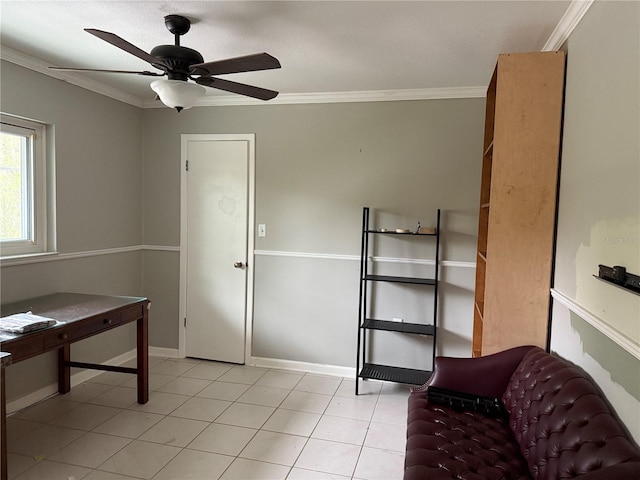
[{"x": 556, "y": 423}]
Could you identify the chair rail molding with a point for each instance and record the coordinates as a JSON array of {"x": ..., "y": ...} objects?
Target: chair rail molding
[
  {"x": 356, "y": 258},
  {"x": 596, "y": 322},
  {"x": 55, "y": 256}
]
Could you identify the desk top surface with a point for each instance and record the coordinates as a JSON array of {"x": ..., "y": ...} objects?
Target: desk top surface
[{"x": 67, "y": 307}]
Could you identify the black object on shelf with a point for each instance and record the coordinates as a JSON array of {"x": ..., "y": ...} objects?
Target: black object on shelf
[
  {"x": 619, "y": 277},
  {"x": 365, "y": 368}
]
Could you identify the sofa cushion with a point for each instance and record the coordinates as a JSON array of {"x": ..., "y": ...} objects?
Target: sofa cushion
[
  {"x": 563, "y": 423},
  {"x": 443, "y": 443}
]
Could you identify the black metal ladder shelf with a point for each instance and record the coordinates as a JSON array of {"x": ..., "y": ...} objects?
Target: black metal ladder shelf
[{"x": 366, "y": 369}]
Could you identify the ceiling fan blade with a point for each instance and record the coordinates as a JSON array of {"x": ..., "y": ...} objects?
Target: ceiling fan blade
[
  {"x": 71, "y": 69},
  {"x": 121, "y": 43},
  {"x": 234, "y": 87},
  {"x": 247, "y": 63}
]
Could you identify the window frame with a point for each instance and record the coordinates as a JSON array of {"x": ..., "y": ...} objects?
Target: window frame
[{"x": 38, "y": 242}]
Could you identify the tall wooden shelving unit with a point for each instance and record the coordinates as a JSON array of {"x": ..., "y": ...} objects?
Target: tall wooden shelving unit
[{"x": 518, "y": 197}]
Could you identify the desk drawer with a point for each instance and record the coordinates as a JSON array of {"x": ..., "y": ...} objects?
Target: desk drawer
[
  {"x": 132, "y": 313},
  {"x": 78, "y": 330},
  {"x": 24, "y": 347}
]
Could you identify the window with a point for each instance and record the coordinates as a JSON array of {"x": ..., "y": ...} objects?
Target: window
[{"x": 23, "y": 195}]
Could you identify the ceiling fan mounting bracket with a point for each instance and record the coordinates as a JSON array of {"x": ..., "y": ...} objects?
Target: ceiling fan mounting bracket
[{"x": 177, "y": 24}]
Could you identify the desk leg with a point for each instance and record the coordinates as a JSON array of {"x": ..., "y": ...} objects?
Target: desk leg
[
  {"x": 64, "y": 370},
  {"x": 3, "y": 434},
  {"x": 143, "y": 357}
]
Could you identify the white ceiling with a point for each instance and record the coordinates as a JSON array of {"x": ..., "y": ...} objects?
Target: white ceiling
[{"x": 325, "y": 47}]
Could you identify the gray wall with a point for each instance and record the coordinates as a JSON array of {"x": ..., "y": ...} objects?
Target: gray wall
[
  {"x": 97, "y": 158},
  {"x": 599, "y": 208},
  {"x": 99, "y": 200},
  {"x": 316, "y": 167}
]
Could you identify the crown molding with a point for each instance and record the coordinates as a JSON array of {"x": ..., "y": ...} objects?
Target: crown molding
[
  {"x": 339, "y": 97},
  {"x": 572, "y": 16},
  {"x": 37, "y": 65}
]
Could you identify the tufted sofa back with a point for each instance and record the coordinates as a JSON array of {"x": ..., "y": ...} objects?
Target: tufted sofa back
[{"x": 564, "y": 425}]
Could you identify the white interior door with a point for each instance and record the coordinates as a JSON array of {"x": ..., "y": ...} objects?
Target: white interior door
[{"x": 215, "y": 250}]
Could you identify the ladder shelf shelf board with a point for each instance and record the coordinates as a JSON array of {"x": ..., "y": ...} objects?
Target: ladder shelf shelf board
[
  {"x": 393, "y": 279},
  {"x": 389, "y": 373},
  {"x": 402, "y": 327},
  {"x": 366, "y": 367},
  {"x": 391, "y": 232}
]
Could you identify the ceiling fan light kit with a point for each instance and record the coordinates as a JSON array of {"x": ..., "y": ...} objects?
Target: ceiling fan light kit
[
  {"x": 181, "y": 64},
  {"x": 178, "y": 94}
]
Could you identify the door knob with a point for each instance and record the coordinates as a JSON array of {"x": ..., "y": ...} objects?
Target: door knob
[{"x": 238, "y": 265}]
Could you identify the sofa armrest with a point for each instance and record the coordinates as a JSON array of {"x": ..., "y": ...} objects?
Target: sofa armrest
[{"x": 484, "y": 376}]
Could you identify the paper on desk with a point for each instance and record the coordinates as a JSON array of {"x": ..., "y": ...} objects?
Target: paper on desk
[{"x": 25, "y": 322}]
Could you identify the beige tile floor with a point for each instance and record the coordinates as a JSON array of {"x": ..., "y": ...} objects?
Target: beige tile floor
[{"x": 208, "y": 420}]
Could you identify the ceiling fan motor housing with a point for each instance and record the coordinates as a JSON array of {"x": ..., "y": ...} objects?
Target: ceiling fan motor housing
[{"x": 178, "y": 58}]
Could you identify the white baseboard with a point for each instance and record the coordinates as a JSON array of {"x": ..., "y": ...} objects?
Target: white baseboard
[
  {"x": 76, "y": 379},
  {"x": 85, "y": 375},
  {"x": 32, "y": 398},
  {"x": 306, "y": 367},
  {"x": 164, "y": 352},
  {"x": 317, "y": 368}
]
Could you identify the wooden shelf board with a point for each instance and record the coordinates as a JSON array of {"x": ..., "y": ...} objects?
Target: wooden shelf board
[
  {"x": 489, "y": 149},
  {"x": 479, "y": 306}
]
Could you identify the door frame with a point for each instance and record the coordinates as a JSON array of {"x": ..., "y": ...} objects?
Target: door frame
[{"x": 250, "y": 257}]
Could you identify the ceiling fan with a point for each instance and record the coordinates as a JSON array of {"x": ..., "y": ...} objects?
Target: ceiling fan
[{"x": 181, "y": 64}]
